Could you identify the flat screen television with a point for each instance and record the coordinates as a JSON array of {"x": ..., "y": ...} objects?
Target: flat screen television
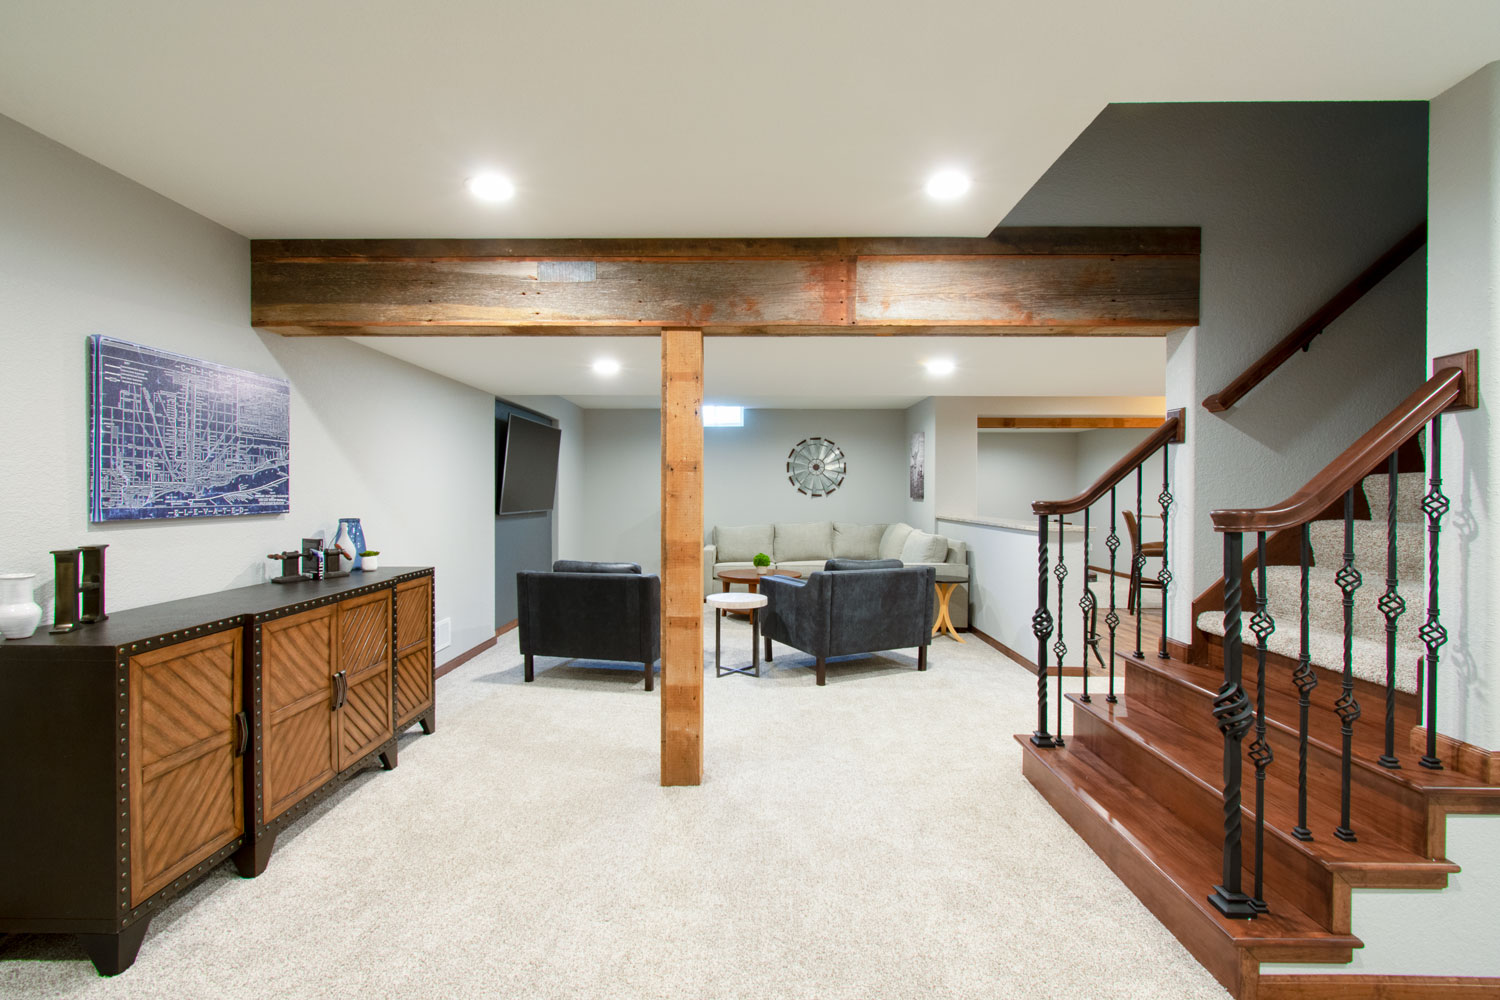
[{"x": 526, "y": 464}]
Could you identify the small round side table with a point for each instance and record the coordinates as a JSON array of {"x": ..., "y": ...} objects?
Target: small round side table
[
  {"x": 744, "y": 603},
  {"x": 945, "y": 589}
]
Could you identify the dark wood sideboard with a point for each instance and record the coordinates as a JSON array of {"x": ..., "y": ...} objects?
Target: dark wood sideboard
[{"x": 138, "y": 753}]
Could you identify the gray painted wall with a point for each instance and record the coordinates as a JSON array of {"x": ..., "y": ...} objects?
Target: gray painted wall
[
  {"x": 744, "y": 471},
  {"x": 1016, "y": 468},
  {"x": 1294, "y": 200},
  {"x": 85, "y": 251}
]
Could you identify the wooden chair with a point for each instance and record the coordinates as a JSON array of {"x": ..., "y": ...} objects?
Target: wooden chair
[{"x": 1151, "y": 550}]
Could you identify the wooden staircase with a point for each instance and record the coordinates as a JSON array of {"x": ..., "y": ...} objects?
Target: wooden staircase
[
  {"x": 1143, "y": 779},
  {"x": 1141, "y": 782}
]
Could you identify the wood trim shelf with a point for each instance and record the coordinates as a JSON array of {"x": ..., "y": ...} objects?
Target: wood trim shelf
[{"x": 1060, "y": 423}]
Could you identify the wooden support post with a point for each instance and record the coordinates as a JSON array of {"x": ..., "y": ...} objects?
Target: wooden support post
[{"x": 681, "y": 557}]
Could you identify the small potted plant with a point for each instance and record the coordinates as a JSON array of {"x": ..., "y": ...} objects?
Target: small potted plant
[
  {"x": 762, "y": 563},
  {"x": 369, "y": 559}
]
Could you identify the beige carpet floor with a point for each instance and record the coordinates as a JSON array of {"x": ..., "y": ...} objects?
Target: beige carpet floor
[{"x": 870, "y": 839}]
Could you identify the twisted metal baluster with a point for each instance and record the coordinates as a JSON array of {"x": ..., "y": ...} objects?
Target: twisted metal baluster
[
  {"x": 1138, "y": 561},
  {"x": 1086, "y": 604},
  {"x": 1306, "y": 679},
  {"x": 1262, "y": 624},
  {"x": 1060, "y": 648},
  {"x": 1041, "y": 627},
  {"x": 1347, "y": 707},
  {"x": 1392, "y": 606},
  {"x": 1232, "y": 712},
  {"x": 1112, "y": 619},
  {"x": 1165, "y": 576},
  {"x": 1434, "y": 505}
]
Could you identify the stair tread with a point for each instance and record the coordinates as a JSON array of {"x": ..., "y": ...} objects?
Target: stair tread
[
  {"x": 1369, "y": 739},
  {"x": 1189, "y": 862},
  {"x": 1200, "y": 751}
]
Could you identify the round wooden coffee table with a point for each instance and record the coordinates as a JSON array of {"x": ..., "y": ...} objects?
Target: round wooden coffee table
[{"x": 751, "y": 579}]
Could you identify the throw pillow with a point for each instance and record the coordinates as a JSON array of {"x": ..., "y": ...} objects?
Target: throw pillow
[
  {"x": 921, "y": 547},
  {"x": 803, "y": 541},
  {"x": 742, "y": 543},
  {"x": 894, "y": 540},
  {"x": 857, "y": 541}
]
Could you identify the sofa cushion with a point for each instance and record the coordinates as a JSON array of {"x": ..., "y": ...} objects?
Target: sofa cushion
[
  {"x": 796, "y": 542},
  {"x": 894, "y": 540},
  {"x": 857, "y": 541},
  {"x": 920, "y": 547},
  {"x": 743, "y": 543},
  {"x": 582, "y": 566},
  {"x": 844, "y": 565},
  {"x": 803, "y": 566}
]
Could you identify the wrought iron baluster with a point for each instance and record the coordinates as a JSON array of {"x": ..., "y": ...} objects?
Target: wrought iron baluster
[
  {"x": 1262, "y": 624},
  {"x": 1086, "y": 604},
  {"x": 1041, "y": 627},
  {"x": 1392, "y": 606},
  {"x": 1432, "y": 633},
  {"x": 1306, "y": 679},
  {"x": 1232, "y": 712},
  {"x": 1165, "y": 576},
  {"x": 1060, "y": 648},
  {"x": 1347, "y": 707},
  {"x": 1113, "y": 618},
  {"x": 1138, "y": 561}
]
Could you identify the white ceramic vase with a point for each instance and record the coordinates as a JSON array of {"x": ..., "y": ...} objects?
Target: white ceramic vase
[{"x": 19, "y": 614}]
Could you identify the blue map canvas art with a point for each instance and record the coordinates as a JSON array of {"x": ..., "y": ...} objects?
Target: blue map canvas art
[{"x": 171, "y": 436}]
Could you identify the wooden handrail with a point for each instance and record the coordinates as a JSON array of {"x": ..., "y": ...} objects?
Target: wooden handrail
[
  {"x": 1454, "y": 386},
  {"x": 1315, "y": 324},
  {"x": 1170, "y": 432}
]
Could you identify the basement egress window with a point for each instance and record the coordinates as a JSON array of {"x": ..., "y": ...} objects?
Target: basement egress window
[{"x": 723, "y": 416}]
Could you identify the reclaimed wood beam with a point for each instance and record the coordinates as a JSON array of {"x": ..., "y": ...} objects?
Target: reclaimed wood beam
[
  {"x": 681, "y": 557},
  {"x": 1118, "y": 282}
]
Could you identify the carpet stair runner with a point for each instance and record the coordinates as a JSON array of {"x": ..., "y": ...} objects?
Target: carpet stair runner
[{"x": 1141, "y": 780}]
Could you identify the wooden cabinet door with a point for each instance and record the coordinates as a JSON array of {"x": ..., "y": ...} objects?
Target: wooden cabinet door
[
  {"x": 413, "y": 648},
  {"x": 186, "y": 776},
  {"x": 364, "y": 720},
  {"x": 297, "y": 705}
]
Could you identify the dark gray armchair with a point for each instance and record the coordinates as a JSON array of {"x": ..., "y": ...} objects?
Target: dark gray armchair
[
  {"x": 857, "y": 610},
  {"x": 601, "y": 611}
]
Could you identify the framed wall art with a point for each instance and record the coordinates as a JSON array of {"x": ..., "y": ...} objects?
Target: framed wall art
[{"x": 172, "y": 436}]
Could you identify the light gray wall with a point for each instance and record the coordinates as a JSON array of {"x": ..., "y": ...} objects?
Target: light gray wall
[
  {"x": 1464, "y": 313},
  {"x": 744, "y": 474},
  {"x": 1016, "y": 468},
  {"x": 85, "y": 251},
  {"x": 1101, "y": 448},
  {"x": 1294, "y": 200}
]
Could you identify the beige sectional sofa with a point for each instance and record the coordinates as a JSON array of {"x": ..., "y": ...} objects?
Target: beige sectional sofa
[{"x": 805, "y": 547}]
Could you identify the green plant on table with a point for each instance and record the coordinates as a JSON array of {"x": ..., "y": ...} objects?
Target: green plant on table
[
  {"x": 761, "y": 560},
  {"x": 367, "y": 553}
]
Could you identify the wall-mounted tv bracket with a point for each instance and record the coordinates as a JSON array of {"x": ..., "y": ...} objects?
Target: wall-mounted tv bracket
[{"x": 92, "y": 583}]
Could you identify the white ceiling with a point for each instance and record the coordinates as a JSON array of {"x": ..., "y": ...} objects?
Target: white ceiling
[
  {"x": 795, "y": 372},
  {"x": 362, "y": 118}
]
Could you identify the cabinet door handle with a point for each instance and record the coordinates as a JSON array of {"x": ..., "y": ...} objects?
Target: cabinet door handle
[
  {"x": 338, "y": 691},
  {"x": 242, "y": 721},
  {"x": 343, "y": 688}
]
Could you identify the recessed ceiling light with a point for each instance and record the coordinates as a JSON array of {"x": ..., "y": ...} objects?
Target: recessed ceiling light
[
  {"x": 491, "y": 187},
  {"x": 606, "y": 366},
  {"x": 945, "y": 185},
  {"x": 940, "y": 366}
]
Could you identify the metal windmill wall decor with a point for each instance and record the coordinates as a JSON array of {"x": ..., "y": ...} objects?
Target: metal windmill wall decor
[{"x": 816, "y": 466}]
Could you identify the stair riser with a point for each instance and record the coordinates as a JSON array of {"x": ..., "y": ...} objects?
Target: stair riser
[
  {"x": 1301, "y": 879},
  {"x": 1187, "y": 922},
  {"x": 1323, "y": 721},
  {"x": 1404, "y": 814},
  {"x": 1370, "y": 546}
]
